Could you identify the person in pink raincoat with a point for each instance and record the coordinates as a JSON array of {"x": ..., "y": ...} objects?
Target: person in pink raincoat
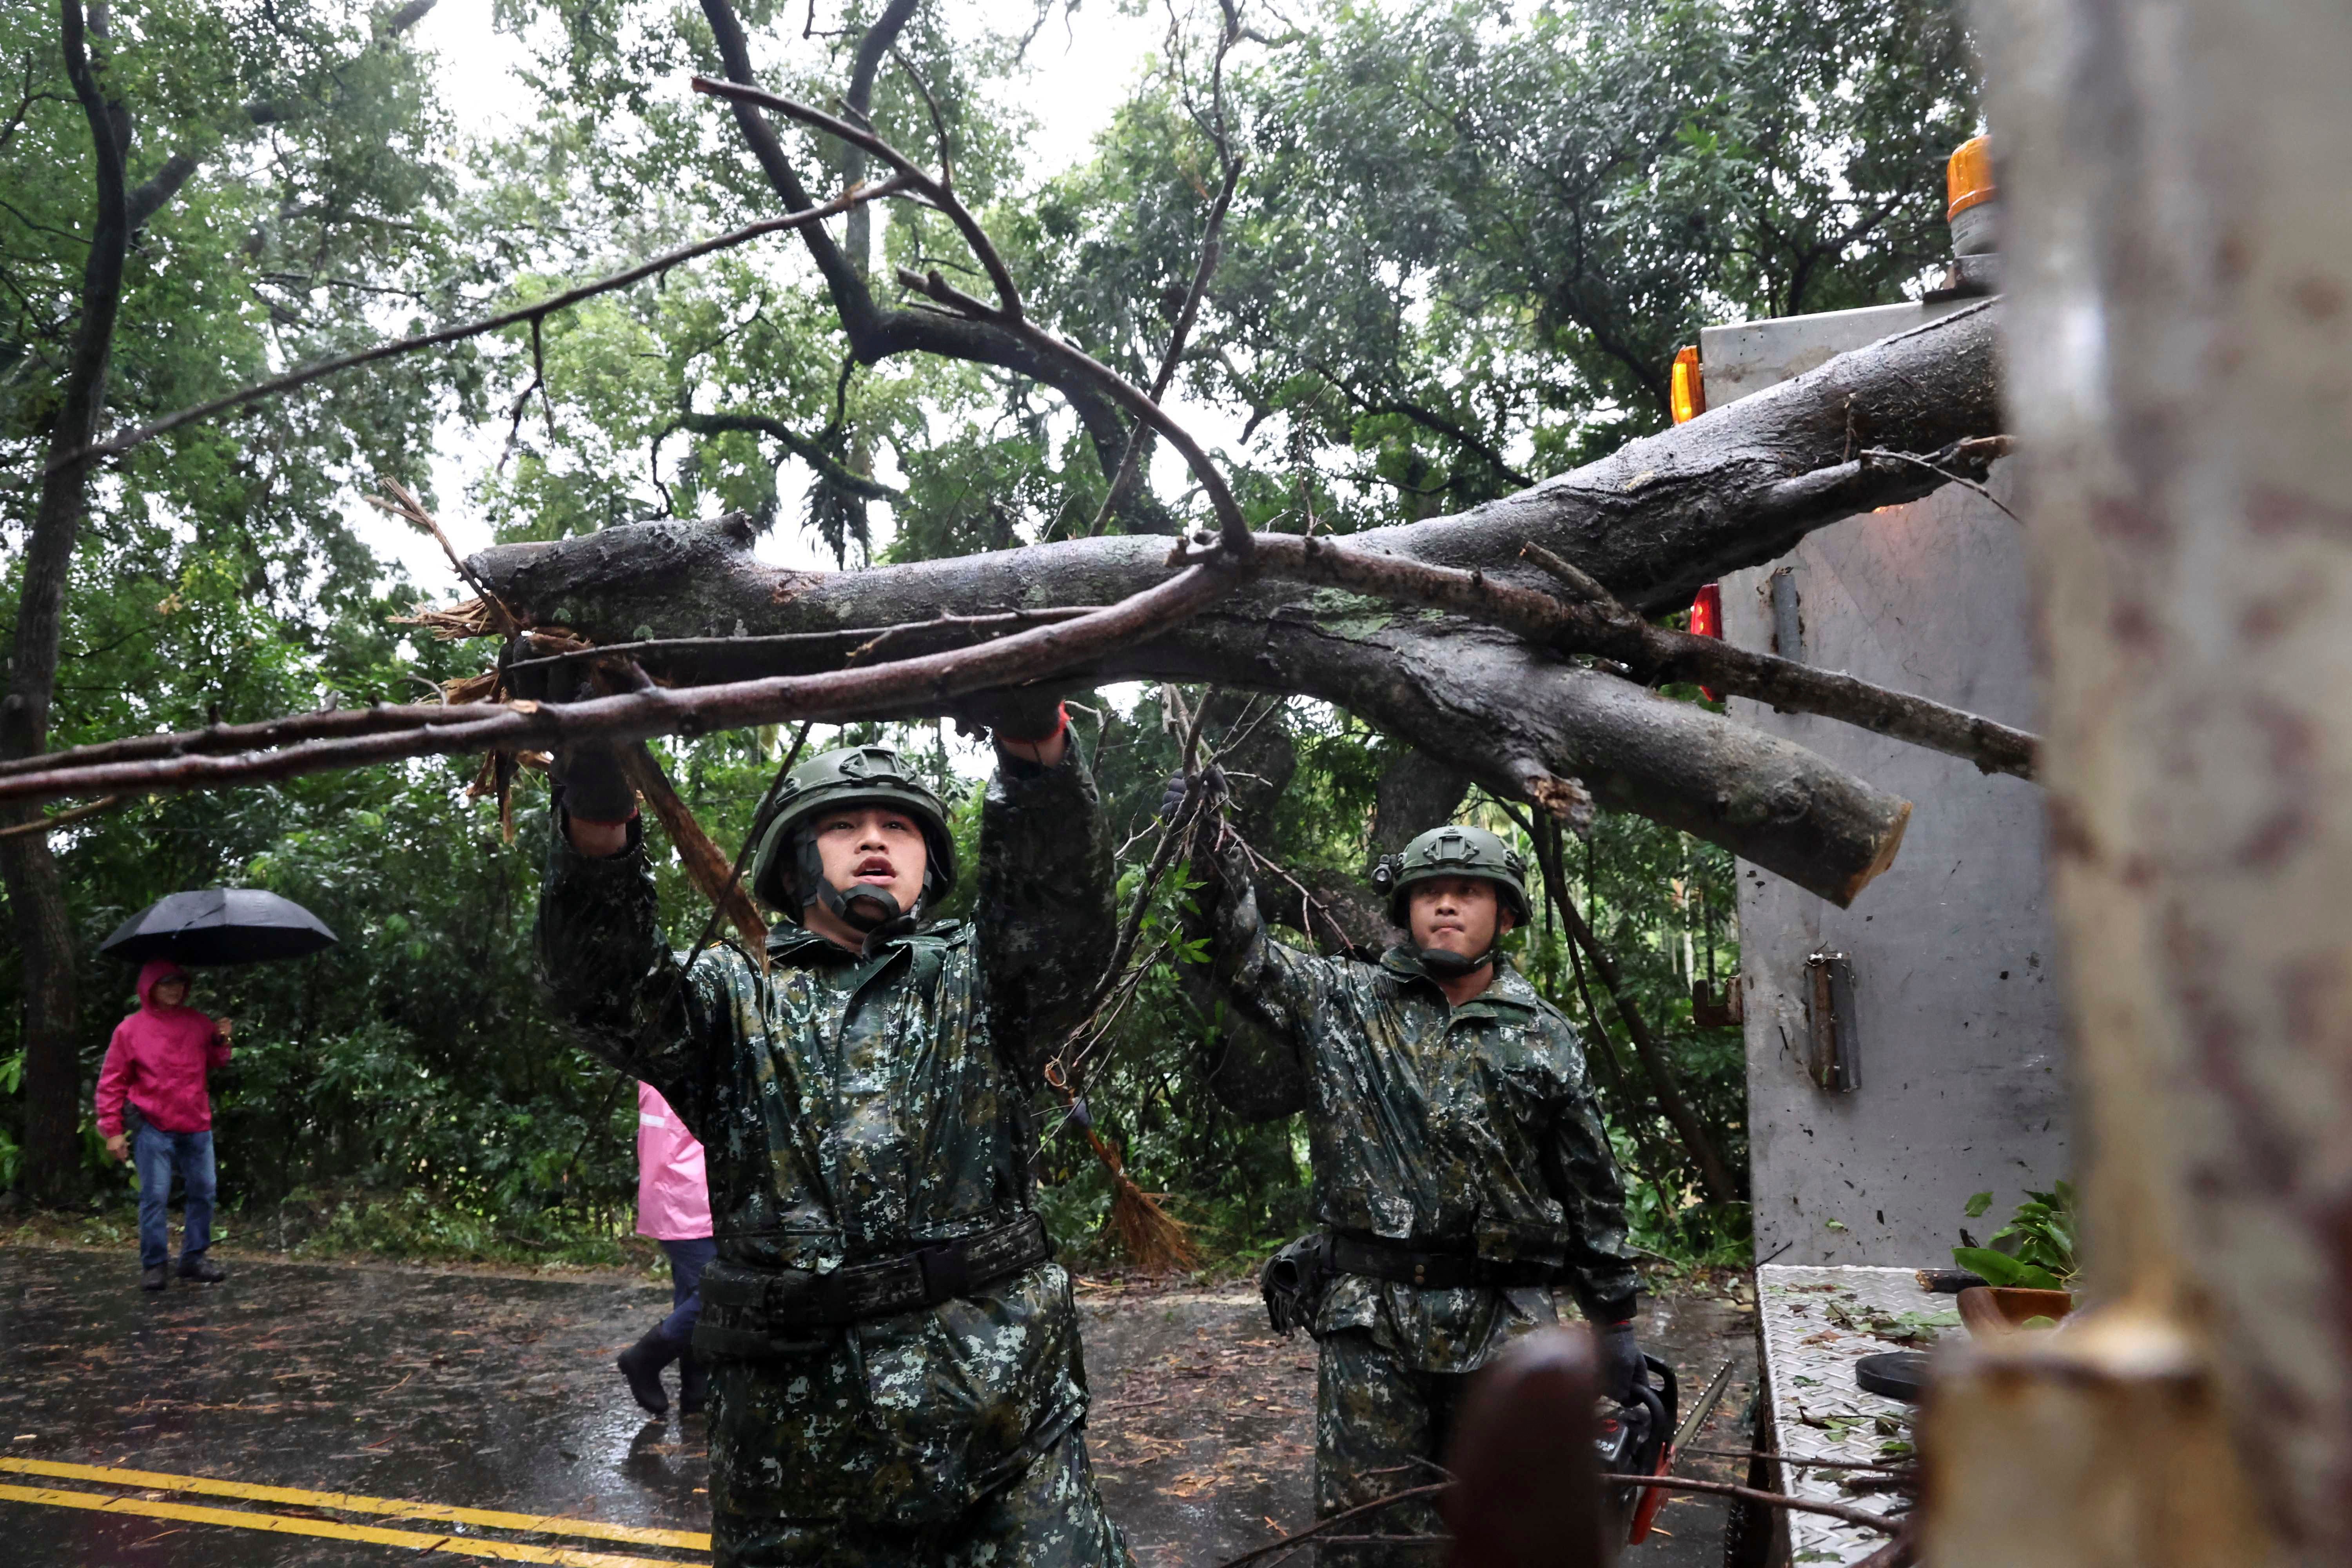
[
  {"x": 154, "y": 1109},
  {"x": 674, "y": 1208}
]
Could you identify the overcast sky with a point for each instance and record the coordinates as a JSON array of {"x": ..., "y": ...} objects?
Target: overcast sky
[{"x": 1081, "y": 68}]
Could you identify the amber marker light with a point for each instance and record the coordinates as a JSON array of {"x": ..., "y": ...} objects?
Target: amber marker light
[
  {"x": 1971, "y": 206},
  {"x": 1968, "y": 177},
  {"x": 1689, "y": 394}
]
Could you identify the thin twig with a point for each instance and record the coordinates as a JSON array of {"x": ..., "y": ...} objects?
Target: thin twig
[
  {"x": 939, "y": 124},
  {"x": 115, "y": 446},
  {"x": 910, "y": 176},
  {"x": 870, "y": 637},
  {"x": 405, "y": 506},
  {"x": 1212, "y": 251},
  {"x": 1791, "y": 1460},
  {"x": 1838, "y": 1511},
  {"x": 1883, "y": 453},
  {"x": 1295, "y": 1537},
  {"x": 1714, "y": 1175},
  {"x": 1178, "y": 831}
]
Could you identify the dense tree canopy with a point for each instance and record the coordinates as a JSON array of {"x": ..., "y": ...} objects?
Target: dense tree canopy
[{"x": 1462, "y": 247}]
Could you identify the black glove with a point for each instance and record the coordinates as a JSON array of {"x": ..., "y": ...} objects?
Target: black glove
[
  {"x": 1024, "y": 713},
  {"x": 1213, "y": 786},
  {"x": 1617, "y": 1361},
  {"x": 588, "y": 781}
]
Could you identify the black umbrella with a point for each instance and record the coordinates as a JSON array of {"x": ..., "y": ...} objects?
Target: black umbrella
[{"x": 219, "y": 925}]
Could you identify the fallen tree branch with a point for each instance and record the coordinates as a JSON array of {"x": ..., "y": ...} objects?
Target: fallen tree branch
[
  {"x": 1599, "y": 624},
  {"x": 115, "y": 446},
  {"x": 1295, "y": 1537},
  {"x": 705, "y": 865},
  {"x": 63, "y": 819},
  {"x": 329, "y": 723},
  {"x": 834, "y": 697}
]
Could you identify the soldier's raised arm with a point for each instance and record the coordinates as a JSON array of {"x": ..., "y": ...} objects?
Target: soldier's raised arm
[
  {"x": 1045, "y": 911},
  {"x": 1583, "y": 1174},
  {"x": 1271, "y": 985},
  {"x": 600, "y": 949}
]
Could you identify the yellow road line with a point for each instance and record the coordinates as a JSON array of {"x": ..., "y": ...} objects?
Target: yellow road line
[
  {"x": 352, "y": 1502},
  {"x": 282, "y": 1524}
]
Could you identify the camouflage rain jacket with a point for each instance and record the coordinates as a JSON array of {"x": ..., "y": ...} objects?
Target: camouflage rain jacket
[
  {"x": 1444, "y": 1128},
  {"x": 853, "y": 1107}
]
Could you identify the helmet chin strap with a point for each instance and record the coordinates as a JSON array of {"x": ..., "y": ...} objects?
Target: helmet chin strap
[
  {"x": 1445, "y": 964},
  {"x": 861, "y": 906}
]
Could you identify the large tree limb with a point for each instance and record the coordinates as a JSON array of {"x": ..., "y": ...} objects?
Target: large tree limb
[{"x": 1734, "y": 487}]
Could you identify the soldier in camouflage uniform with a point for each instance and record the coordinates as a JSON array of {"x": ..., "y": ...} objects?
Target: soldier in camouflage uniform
[
  {"x": 895, "y": 1366},
  {"x": 1461, "y": 1170}
]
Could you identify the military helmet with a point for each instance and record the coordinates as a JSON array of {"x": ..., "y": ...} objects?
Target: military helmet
[
  {"x": 854, "y": 775},
  {"x": 1454, "y": 851}
]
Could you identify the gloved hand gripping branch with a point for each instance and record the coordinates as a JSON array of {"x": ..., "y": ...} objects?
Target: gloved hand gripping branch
[
  {"x": 1019, "y": 717},
  {"x": 587, "y": 782}
]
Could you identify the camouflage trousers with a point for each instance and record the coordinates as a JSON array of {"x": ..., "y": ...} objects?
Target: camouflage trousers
[
  {"x": 1050, "y": 1516},
  {"x": 1375, "y": 1422}
]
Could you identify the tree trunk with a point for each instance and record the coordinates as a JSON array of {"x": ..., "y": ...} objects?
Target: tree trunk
[
  {"x": 37, "y": 904},
  {"x": 2179, "y": 184},
  {"x": 1652, "y": 521}
]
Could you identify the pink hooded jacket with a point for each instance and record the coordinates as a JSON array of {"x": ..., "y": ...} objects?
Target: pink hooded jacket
[
  {"x": 673, "y": 1199},
  {"x": 158, "y": 1060}
]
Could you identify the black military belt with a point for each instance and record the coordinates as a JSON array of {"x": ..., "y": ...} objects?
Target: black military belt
[
  {"x": 1436, "y": 1271},
  {"x": 753, "y": 1313}
]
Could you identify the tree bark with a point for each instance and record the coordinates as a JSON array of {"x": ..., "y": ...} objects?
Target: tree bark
[
  {"x": 2178, "y": 182},
  {"x": 37, "y": 903},
  {"x": 1663, "y": 514}
]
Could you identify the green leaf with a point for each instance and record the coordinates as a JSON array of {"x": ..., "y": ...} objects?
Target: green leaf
[
  {"x": 1992, "y": 1268},
  {"x": 1977, "y": 1205}
]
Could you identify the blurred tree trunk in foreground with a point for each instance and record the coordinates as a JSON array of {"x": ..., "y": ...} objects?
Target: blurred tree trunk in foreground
[{"x": 2178, "y": 182}]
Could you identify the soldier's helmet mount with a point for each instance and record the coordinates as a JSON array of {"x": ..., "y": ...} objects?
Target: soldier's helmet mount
[
  {"x": 850, "y": 776},
  {"x": 1457, "y": 850}
]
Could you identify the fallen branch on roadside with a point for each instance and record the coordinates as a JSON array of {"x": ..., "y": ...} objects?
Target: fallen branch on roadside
[{"x": 1837, "y": 1510}]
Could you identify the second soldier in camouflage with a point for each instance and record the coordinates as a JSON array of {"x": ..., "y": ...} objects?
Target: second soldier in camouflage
[{"x": 1461, "y": 1170}]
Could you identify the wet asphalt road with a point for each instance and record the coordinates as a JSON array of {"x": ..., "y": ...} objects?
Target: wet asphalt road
[{"x": 496, "y": 1392}]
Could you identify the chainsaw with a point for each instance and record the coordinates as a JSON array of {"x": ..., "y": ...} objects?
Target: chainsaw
[{"x": 1638, "y": 1438}]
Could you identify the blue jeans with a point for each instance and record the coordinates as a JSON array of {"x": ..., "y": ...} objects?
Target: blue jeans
[
  {"x": 158, "y": 1154},
  {"x": 687, "y": 1259}
]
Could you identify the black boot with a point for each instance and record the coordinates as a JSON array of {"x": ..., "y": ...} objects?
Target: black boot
[
  {"x": 155, "y": 1278},
  {"x": 693, "y": 1386},
  {"x": 642, "y": 1364},
  {"x": 203, "y": 1269}
]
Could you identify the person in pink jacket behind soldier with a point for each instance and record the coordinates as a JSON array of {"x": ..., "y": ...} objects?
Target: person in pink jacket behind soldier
[
  {"x": 153, "y": 1107},
  {"x": 674, "y": 1208}
]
